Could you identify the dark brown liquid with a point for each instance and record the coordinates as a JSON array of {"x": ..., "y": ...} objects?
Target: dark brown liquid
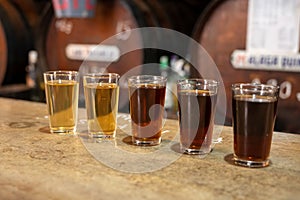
[
  {"x": 146, "y": 115},
  {"x": 253, "y": 121},
  {"x": 196, "y": 118}
]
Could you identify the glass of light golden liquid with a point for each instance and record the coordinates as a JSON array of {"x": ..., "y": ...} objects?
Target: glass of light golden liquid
[
  {"x": 147, "y": 98},
  {"x": 101, "y": 92},
  {"x": 197, "y": 104},
  {"x": 254, "y": 108},
  {"x": 62, "y": 89}
]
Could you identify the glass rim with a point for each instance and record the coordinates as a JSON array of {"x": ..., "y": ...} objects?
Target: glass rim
[
  {"x": 254, "y": 87},
  {"x": 61, "y": 72},
  {"x": 145, "y": 79},
  {"x": 146, "y": 76},
  {"x": 101, "y": 75},
  {"x": 199, "y": 81}
]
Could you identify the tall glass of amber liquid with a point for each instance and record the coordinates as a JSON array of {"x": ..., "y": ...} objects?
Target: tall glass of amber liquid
[
  {"x": 101, "y": 92},
  {"x": 254, "y": 108},
  {"x": 197, "y": 104},
  {"x": 62, "y": 89},
  {"x": 147, "y": 99}
]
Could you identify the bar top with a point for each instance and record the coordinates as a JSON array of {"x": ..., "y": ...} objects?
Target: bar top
[{"x": 38, "y": 165}]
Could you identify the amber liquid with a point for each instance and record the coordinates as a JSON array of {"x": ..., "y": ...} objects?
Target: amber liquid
[
  {"x": 253, "y": 122},
  {"x": 102, "y": 106},
  {"x": 62, "y": 101},
  {"x": 196, "y": 118},
  {"x": 146, "y": 110}
]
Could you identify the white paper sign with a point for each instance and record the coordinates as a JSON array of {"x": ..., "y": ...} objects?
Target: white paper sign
[
  {"x": 241, "y": 59},
  {"x": 273, "y": 25},
  {"x": 100, "y": 53}
]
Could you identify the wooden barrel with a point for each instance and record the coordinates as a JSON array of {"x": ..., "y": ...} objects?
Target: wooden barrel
[
  {"x": 112, "y": 17},
  {"x": 15, "y": 42},
  {"x": 57, "y": 34},
  {"x": 222, "y": 29}
]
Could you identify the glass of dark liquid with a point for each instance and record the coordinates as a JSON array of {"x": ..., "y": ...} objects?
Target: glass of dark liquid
[
  {"x": 146, "y": 98},
  {"x": 254, "y": 109},
  {"x": 197, "y": 104}
]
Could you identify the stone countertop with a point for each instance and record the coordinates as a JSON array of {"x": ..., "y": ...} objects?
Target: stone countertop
[{"x": 38, "y": 165}]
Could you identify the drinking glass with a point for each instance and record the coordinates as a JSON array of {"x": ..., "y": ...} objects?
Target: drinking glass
[
  {"x": 147, "y": 98},
  {"x": 254, "y": 108},
  {"x": 197, "y": 104},
  {"x": 101, "y": 99},
  {"x": 62, "y": 89}
]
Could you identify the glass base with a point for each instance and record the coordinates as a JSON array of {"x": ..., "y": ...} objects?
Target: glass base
[
  {"x": 251, "y": 163},
  {"x": 102, "y": 135},
  {"x": 144, "y": 142},
  {"x": 63, "y": 131},
  {"x": 193, "y": 151}
]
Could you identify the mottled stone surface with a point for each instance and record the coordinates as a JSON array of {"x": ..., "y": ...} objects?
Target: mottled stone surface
[{"x": 37, "y": 165}]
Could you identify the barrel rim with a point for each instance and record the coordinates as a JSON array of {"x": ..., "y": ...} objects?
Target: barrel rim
[
  {"x": 12, "y": 22},
  {"x": 204, "y": 16}
]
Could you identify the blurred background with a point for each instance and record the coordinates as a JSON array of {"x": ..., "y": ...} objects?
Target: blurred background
[{"x": 248, "y": 40}]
